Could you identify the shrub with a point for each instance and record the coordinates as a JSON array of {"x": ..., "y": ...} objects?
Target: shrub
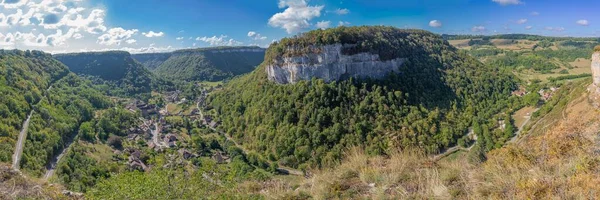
[{"x": 115, "y": 142}]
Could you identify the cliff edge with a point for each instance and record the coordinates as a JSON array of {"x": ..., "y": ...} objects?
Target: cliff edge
[
  {"x": 594, "y": 89},
  {"x": 351, "y": 52},
  {"x": 330, "y": 64}
]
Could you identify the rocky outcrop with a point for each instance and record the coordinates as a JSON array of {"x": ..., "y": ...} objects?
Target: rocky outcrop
[
  {"x": 594, "y": 89},
  {"x": 330, "y": 64},
  {"x": 596, "y": 68}
]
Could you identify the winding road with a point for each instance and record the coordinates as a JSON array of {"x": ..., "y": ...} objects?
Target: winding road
[
  {"x": 514, "y": 138},
  {"x": 52, "y": 166},
  {"x": 21, "y": 142},
  {"x": 22, "y": 136}
]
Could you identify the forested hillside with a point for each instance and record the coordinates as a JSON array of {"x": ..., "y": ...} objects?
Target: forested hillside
[
  {"x": 151, "y": 60},
  {"x": 114, "y": 72},
  {"x": 208, "y": 64},
  {"x": 70, "y": 102},
  {"x": 24, "y": 78},
  {"x": 439, "y": 94}
]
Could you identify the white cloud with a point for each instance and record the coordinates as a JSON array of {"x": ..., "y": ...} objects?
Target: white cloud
[
  {"x": 508, "y": 2},
  {"x": 256, "y": 36},
  {"x": 343, "y": 11},
  {"x": 116, "y": 36},
  {"x": 583, "y": 22},
  {"x": 153, "y": 34},
  {"x": 534, "y": 13},
  {"x": 296, "y": 16},
  {"x": 323, "y": 24},
  {"x": 478, "y": 29},
  {"x": 219, "y": 41},
  {"x": 435, "y": 23},
  {"x": 558, "y": 29},
  {"x": 7, "y": 4},
  {"x": 179, "y": 38},
  {"x": 130, "y": 41},
  {"x": 521, "y": 21},
  {"x": 343, "y": 23},
  {"x": 528, "y": 27}
]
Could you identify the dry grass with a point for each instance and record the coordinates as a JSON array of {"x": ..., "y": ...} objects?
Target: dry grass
[
  {"x": 404, "y": 175},
  {"x": 15, "y": 186}
]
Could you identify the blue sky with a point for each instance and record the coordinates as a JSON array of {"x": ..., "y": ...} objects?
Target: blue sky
[{"x": 152, "y": 25}]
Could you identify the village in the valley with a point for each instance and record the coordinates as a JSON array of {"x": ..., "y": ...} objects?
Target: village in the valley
[{"x": 157, "y": 134}]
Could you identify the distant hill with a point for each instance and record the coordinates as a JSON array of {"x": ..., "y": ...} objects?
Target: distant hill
[
  {"x": 151, "y": 60},
  {"x": 380, "y": 88},
  {"x": 204, "y": 64},
  {"x": 114, "y": 67}
]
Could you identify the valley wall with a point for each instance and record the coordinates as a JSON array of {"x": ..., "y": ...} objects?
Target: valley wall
[{"x": 330, "y": 64}]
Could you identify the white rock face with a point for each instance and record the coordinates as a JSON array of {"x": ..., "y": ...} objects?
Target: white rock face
[
  {"x": 594, "y": 89},
  {"x": 596, "y": 68},
  {"x": 330, "y": 64}
]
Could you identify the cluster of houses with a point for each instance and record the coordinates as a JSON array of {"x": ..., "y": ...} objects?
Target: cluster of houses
[
  {"x": 144, "y": 108},
  {"x": 134, "y": 162},
  {"x": 172, "y": 97},
  {"x": 545, "y": 94},
  {"x": 159, "y": 135}
]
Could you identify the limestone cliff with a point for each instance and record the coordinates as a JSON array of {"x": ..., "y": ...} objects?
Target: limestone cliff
[
  {"x": 596, "y": 68},
  {"x": 329, "y": 63},
  {"x": 595, "y": 87}
]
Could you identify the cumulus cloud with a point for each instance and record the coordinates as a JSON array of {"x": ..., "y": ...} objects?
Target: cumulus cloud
[
  {"x": 115, "y": 36},
  {"x": 534, "y": 13},
  {"x": 341, "y": 11},
  {"x": 219, "y": 41},
  {"x": 13, "y": 3},
  {"x": 130, "y": 41},
  {"x": 296, "y": 16},
  {"x": 583, "y": 22},
  {"x": 478, "y": 29},
  {"x": 48, "y": 23},
  {"x": 153, "y": 34},
  {"x": 528, "y": 27},
  {"x": 323, "y": 24},
  {"x": 256, "y": 36},
  {"x": 508, "y": 2},
  {"x": 435, "y": 23},
  {"x": 179, "y": 38},
  {"x": 521, "y": 21}
]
